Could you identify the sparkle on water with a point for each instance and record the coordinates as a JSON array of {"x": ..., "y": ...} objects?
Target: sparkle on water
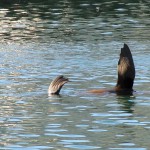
[{"x": 81, "y": 40}]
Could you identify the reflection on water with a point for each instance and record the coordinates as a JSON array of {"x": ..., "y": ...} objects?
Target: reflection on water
[
  {"x": 82, "y": 40},
  {"x": 127, "y": 103},
  {"x": 66, "y": 20}
]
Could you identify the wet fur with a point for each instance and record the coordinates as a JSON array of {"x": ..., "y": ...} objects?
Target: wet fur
[{"x": 126, "y": 69}]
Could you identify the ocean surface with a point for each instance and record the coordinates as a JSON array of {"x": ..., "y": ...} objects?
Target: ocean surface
[{"x": 81, "y": 39}]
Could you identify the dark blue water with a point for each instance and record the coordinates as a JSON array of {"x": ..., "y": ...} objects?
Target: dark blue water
[{"x": 81, "y": 40}]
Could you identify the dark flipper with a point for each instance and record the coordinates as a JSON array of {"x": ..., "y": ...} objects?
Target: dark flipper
[
  {"x": 126, "y": 69},
  {"x": 57, "y": 84}
]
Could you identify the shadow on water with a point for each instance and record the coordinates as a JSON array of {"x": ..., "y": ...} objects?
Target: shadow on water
[{"x": 127, "y": 102}]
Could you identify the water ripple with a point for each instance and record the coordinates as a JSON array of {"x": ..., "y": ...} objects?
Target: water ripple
[
  {"x": 81, "y": 40},
  {"x": 81, "y": 147}
]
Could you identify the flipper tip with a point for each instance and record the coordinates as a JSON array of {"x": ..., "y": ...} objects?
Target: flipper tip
[{"x": 57, "y": 84}]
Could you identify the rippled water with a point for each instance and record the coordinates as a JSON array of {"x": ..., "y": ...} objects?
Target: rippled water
[{"x": 81, "y": 40}]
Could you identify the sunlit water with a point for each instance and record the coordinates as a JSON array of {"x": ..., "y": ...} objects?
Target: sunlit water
[{"x": 81, "y": 40}]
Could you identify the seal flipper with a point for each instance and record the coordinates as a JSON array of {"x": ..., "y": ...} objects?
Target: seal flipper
[
  {"x": 57, "y": 84},
  {"x": 126, "y": 70}
]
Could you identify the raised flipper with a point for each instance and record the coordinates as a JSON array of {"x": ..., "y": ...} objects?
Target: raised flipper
[
  {"x": 126, "y": 70},
  {"x": 57, "y": 84},
  {"x": 126, "y": 74}
]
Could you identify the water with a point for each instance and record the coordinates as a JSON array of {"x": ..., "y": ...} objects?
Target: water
[{"x": 81, "y": 40}]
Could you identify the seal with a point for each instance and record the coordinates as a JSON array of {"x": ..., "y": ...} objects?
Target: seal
[{"x": 125, "y": 81}]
